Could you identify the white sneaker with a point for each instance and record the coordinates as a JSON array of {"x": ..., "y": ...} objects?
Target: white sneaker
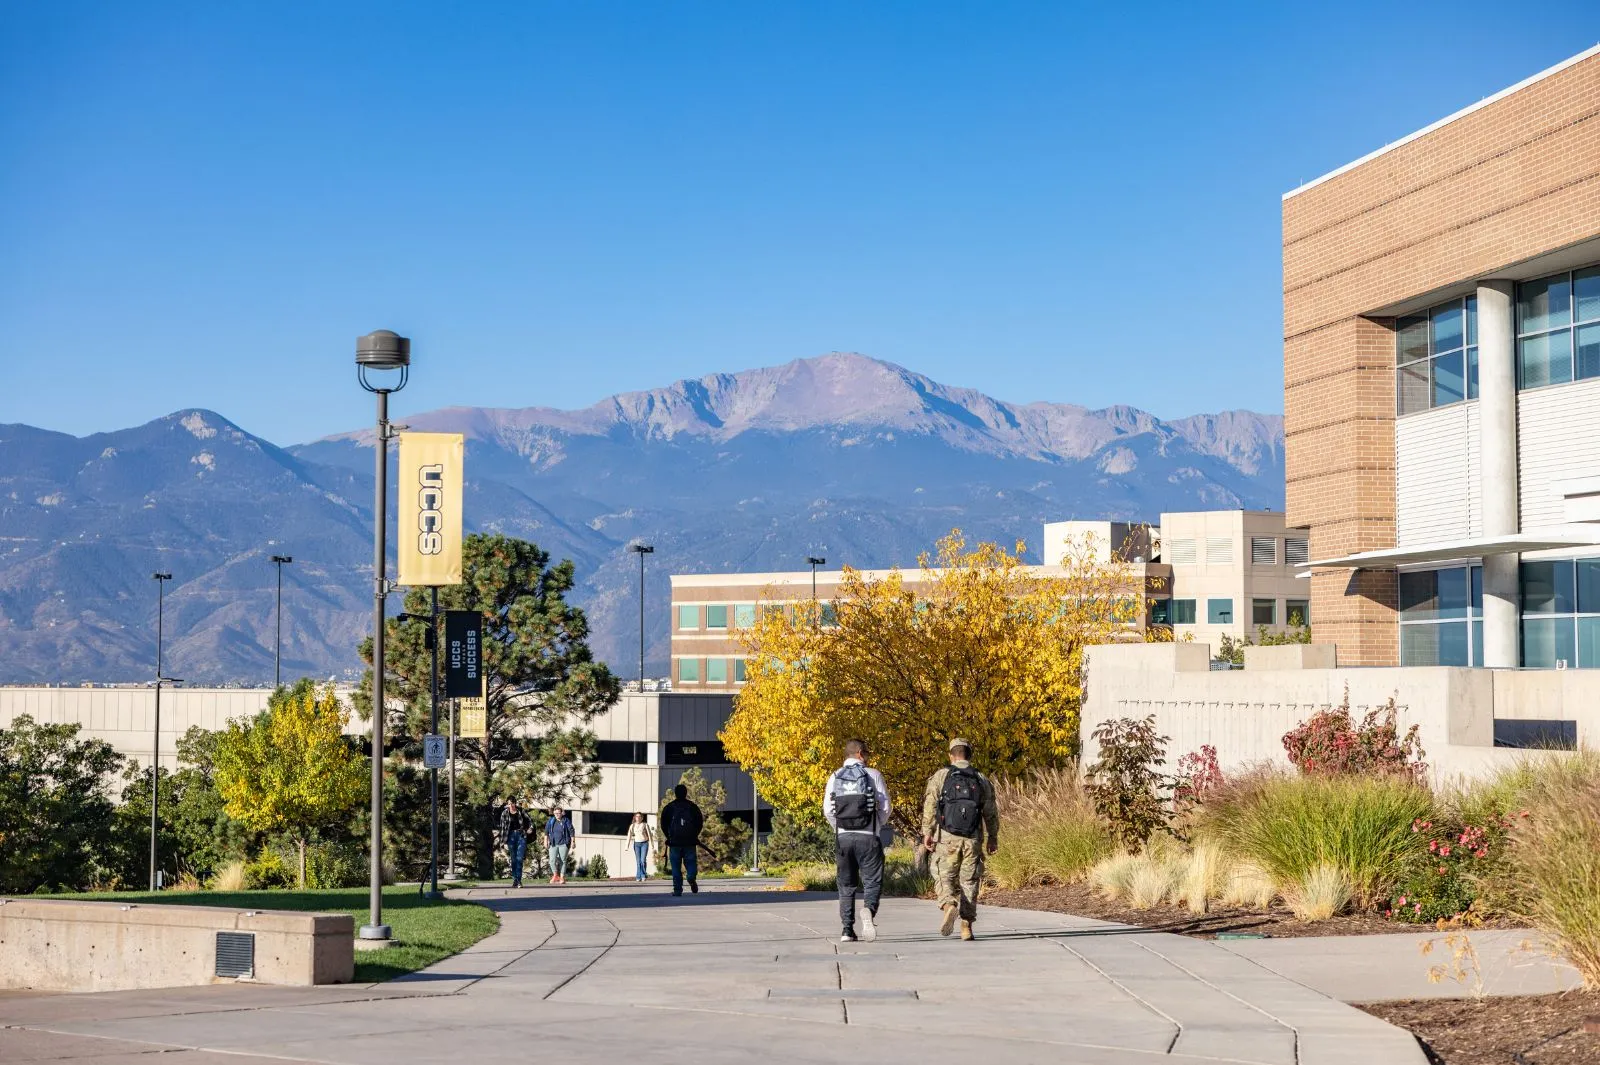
[{"x": 869, "y": 928}]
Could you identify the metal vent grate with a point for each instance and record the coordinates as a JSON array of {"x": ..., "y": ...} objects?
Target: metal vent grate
[
  {"x": 1263, "y": 551},
  {"x": 236, "y": 954}
]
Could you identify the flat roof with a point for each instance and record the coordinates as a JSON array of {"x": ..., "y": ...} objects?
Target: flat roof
[{"x": 1425, "y": 130}]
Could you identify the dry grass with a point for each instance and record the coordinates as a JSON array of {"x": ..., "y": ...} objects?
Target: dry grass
[
  {"x": 1323, "y": 892},
  {"x": 1246, "y": 884},
  {"x": 231, "y": 877},
  {"x": 1555, "y": 852},
  {"x": 1203, "y": 877}
]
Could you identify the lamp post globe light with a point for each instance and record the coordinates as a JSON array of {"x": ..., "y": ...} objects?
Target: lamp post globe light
[
  {"x": 277, "y": 654},
  {"x": 381, "y": 350},
  {"x": 641, "y": 550},
  {"x": 161, "y": 580}
]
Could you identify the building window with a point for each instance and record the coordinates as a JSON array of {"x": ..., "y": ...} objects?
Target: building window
[
  {"x": 716, "y": 671},
  {"x": 1297, "y": 611},
  {"x": 1263, "y": 551},
  {"x": 1219, "y": 611},
  {"x": 689, "y": 670},
  {"x": 1161, "y": 612},
  {"x": 1183, "y": 553},
  {"x": 739, "y": 671},
  {"x": 1436, "y": 356},
  {"x": 621, "y": 752},
  {"x": 606, "y": 823},
  {"x": 1219, "y": 550},
  {"x": 744, "y": 615},
  {"x": 688, "y": 617},
  {"x": 1561, "y": 613},
  {"x": 1441, "y": 617},
  {"x": 1296, "y": 551},
  {"x": 1182, "y": 611},
  {"x": 699, "y": 752},
  {"x": 1558, "y": 328},
  {"x": 1263, "y": 611},
  {"x": 716, "y": 617},
  {"x": 830, "y": 616}
]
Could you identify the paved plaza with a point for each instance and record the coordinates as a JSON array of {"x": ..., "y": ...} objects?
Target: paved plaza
[{"x": 739, "y": 974}]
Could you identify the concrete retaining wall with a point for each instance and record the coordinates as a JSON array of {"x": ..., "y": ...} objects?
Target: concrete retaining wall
[
  {"x": 70, "y": 945},
  {"x": 1245, "y": 713}
]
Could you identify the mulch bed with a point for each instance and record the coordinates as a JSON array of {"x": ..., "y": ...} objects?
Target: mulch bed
[
  {"x": 1083, "y": 901},
  {"x": 1525, "y": 1030}
]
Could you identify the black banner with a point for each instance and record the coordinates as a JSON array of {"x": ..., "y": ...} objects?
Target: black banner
[{"x": 463, "y": 654}]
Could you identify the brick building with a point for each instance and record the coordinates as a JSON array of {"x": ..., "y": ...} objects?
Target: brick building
[{"x": 1442, "y": 385}]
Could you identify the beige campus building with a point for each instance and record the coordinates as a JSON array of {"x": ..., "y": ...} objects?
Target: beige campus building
[{"x": 1205, "y": 574}]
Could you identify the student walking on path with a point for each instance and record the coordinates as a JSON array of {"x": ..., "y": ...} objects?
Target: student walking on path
[
  {"x": 856, "y": 804},
  {"x": 558, "y": 837},
  {"x": 681, "y": 822},
  {"x": 960, "y": 823},
  {"x": 514, "y": 830},
  {"x": 639, "y": 837}
]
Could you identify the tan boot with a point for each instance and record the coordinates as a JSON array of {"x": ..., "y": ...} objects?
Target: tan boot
[
  {"x": 966, "y": 931},
  {"x": 949, "y": 923}
]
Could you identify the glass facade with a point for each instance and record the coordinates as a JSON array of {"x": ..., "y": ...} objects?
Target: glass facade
[
  {"x": 689, "y": 670},
  {"x": 744, "y": 615},
  {"x": 1182, "y": 611},
  {"x": 717, "y": 617},
  {"x": 1561, "y": 613},
  {"x": 716, "y": 671},
  {"x": 688, "y": 617},
  {"x": 1441, "y": 613},
  {"x": 1558, "y": 328},
  {"x": 1436, "y": 356}
]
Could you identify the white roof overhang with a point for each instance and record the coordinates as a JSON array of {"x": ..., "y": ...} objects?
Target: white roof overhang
[{"x": 1452, "y": 550}]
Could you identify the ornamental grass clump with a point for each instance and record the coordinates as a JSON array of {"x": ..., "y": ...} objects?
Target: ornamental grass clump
[
  {"x": 1051, "y": 836},
  {"x": 1290, "y": 826},
  {"x": 1321, "y": 893},
  {"x": 1555, "y": 851}
]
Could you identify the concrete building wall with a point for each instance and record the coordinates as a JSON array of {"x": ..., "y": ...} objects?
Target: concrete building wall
[
  {"x": 1245, "y": 714},
  {"x": 1495, "y": 191},
  {"x": 125, "y": 717}
]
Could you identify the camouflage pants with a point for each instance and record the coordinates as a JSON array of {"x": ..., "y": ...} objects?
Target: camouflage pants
[{"x": 958, "y": 872}]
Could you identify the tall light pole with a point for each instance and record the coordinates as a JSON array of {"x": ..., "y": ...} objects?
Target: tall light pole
[
  {"x": 161, "y": 580},
  {"x": 277, "y": 656},
  {"x": 814, "y": 563},
  {"x": 641, "y": 550},
  {"x": 380, "y": 350}
]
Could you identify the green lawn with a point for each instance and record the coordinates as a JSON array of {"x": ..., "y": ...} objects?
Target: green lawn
[{"x": 424, "y": 932}]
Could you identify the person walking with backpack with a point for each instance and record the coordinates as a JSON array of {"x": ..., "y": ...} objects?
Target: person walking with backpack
[
  {"x": 681, "y": 822},
  {"x": 960, "y": 823},
  {"x": 856, "y": 804},
  {"x": 514, "y": 830},
  {"x": 558, "y": 837}
]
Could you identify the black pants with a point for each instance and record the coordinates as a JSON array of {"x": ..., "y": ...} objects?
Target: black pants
[{"x": 860, "y": 872}]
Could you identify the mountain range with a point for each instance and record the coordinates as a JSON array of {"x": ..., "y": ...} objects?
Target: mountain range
[{"x": 859, "y": 460}]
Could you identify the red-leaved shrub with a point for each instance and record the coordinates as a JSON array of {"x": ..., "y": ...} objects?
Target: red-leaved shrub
[{"x": 1332, "y": 743}]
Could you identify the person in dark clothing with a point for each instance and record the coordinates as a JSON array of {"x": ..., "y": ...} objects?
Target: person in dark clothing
[
  {"x": 559, "y": 837},
  {"x": 514, "y": 829},
  {"x": 856, "y": 804},
  {"x": 681, "y": 822}
]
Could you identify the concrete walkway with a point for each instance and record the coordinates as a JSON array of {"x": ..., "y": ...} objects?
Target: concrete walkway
[
  {"x": 1393, "y": 967},
  {"x": 737, "y": 975}
]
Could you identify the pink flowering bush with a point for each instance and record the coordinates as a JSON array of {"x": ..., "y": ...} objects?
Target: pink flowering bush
[
  {"x": 1198, "y": 776},
  {"x": 1443, "y": 880},
  {"x": 1332, "y": 743}
]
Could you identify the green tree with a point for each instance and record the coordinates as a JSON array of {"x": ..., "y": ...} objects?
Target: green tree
[
  {"x": 795, "y": 838},
  {"x": 543, "y": 685},
  {"x": 290, "y": 769},
  {"x": 55, "y": 806},
  {"x": 197, "y": 837}
]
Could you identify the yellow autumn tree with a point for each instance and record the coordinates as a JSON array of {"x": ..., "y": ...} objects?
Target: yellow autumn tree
[
  {"x": 978, "y": 645},
  {"x": 290, "y": 769}
]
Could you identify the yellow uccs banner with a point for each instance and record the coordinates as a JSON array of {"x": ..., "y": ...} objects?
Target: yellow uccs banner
[{"x": 430, "y": 508}]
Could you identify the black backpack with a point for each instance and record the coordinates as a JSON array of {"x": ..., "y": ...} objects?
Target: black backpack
[
  {"x": 855, "y": 799},
  {"x": 961, "y": 802}
]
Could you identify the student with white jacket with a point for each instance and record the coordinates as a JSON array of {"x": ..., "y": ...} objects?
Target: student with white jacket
[{"x": 856, "y": 804}]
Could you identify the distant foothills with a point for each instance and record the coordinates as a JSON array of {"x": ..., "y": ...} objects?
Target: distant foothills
[{"x": 845, "y": 456}]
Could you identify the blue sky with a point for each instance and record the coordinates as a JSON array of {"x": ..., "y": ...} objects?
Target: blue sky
[{"x": 204, "y": 204}]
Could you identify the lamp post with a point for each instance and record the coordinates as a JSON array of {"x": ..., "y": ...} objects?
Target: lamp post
[
  {"x": 161, "y": 580},
  {"x": 277, "y": 655},
  {"x": 381, "y": 350},
  {"x": 641, "y": 550},
  {"x": 814, "y": 563}
]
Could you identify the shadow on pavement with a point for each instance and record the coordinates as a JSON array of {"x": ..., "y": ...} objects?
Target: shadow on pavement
[{"x": 547, "y": 899}]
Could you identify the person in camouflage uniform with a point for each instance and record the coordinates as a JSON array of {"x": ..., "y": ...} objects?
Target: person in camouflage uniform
[{"x": 958, "y": 840}]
